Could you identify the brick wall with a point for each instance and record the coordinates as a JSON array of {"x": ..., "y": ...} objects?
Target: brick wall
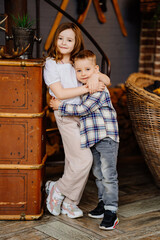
[
  {"x": 149, "y": 58},
  {"x": 149, "y": 52}
]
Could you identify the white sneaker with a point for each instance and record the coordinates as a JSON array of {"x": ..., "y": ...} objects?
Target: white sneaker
[
  {"x": 54, "y": 199},
  {"x": 71, "y": 210},
  {"x": 47, "y": 186}
]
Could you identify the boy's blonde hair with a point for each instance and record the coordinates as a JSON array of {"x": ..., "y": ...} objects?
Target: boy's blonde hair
[
  {"x": 86, "y": 54},
  {"x": 79, "y": 43}
]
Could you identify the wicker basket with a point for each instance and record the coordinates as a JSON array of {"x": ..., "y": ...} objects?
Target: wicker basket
[{"x": 144, "y": 110}]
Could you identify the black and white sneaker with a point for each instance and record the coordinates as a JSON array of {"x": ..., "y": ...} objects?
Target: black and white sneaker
[
  {"x": 98, "y": 212},
  {"x": 109, "y": 221}
]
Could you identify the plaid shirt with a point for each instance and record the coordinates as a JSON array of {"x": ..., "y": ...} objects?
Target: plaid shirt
[{"x": 98, "y": 118}]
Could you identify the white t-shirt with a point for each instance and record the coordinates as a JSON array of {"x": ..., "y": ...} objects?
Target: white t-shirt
[{"x": 64, "y": 73}]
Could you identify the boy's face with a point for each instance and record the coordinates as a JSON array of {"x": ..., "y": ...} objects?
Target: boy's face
[{"x": 85, "y": 68}]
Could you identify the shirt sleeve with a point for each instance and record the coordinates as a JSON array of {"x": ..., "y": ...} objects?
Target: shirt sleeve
[
  {"x": 50, "y": 72},
  {"x": 91, "y": 104}
]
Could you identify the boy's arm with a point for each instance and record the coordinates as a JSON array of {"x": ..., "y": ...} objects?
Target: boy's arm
[
  {"x": 104, "y": 78},
  {"x": 89, "y": 105}
]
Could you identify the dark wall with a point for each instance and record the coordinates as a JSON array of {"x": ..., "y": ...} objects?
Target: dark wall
[
  {"x": 2, "y": 33},
  {"x": 123, "y": 52}
]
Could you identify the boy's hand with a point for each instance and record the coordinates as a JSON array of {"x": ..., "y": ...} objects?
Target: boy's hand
[{"x": 54, "y": 103}]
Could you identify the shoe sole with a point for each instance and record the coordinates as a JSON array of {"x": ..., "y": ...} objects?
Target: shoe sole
[
  {"x": 64, "y": 212},
  {"x": 94, "y": 216},
  {"x": 112, "y": 227}
]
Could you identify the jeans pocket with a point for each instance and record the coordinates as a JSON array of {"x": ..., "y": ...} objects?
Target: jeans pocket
[{"x": 110, "y": 144}]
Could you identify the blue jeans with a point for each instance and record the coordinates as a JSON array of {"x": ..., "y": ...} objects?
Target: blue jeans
[{"x": 105, "y": 171}]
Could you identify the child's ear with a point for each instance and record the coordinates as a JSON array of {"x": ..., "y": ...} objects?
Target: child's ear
[{"x": 96, "y": 68}]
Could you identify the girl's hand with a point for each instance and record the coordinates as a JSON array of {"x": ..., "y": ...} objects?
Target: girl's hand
[
  {"x": 54, "y": 103},
  {"x": 93, "y": 83},
  {"x": 101, "y": 87}
]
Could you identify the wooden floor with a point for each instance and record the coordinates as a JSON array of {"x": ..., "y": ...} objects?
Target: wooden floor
[{"x": 139, "y": 212}]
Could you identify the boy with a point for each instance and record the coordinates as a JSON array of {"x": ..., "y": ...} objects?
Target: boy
[{"x": 99, "y": 131}]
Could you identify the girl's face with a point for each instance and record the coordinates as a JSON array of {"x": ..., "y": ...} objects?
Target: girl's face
[{"x": 66, "y": 42}]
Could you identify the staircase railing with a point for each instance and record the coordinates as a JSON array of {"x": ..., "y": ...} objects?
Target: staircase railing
[{"x": 104, "y": 68}]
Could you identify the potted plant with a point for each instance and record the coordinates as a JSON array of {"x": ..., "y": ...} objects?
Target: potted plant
[{"x": 23, "y": 35}]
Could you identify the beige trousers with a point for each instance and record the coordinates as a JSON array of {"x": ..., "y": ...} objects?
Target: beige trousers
[{"x": 78, "y": 161}]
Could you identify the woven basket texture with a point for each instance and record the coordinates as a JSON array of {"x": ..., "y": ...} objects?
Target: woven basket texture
[{"x": 144, "y": 110}]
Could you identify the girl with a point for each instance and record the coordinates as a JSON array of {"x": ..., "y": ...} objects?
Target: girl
[{"x": 60, "y": 77}]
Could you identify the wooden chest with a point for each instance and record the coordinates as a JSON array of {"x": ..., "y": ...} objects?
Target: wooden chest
[{"x": 22, "y": 139}]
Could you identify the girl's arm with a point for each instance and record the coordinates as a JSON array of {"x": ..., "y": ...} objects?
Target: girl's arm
[{"x": 65, "y": 93}]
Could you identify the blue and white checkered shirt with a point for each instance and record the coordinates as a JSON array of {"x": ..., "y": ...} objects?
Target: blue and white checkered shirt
[{"x": 98, "y": 118}]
